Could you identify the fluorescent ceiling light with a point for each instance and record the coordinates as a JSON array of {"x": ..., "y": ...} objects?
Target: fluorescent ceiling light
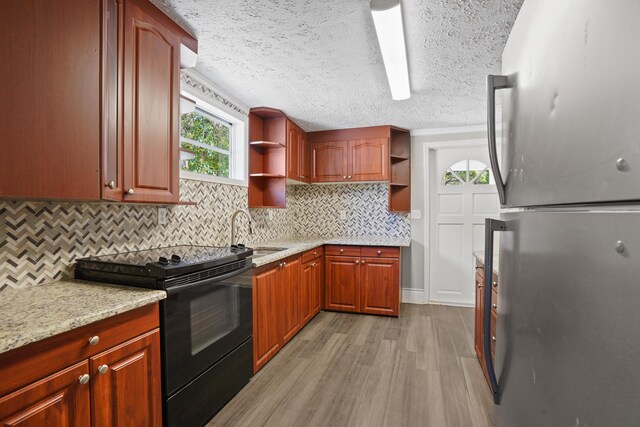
[{"x": 387, "y": 18}]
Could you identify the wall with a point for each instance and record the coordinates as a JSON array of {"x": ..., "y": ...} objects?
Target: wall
[{"x": 41, "y": 240}]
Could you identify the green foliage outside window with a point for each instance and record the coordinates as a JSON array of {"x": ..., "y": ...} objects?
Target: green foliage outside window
[
  {"x": 449, "y": 178},
  {"x": 203, "y": 129}
]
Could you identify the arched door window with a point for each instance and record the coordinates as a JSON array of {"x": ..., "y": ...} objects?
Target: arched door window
[{"x": 467, "y": 172}]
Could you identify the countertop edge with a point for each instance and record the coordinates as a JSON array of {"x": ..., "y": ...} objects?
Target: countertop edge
[{"x": 142, "y": 298}]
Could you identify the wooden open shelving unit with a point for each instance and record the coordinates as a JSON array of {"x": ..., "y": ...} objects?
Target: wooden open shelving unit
[
  {"x": 400, "y": 159},
  {"x": 267, "y": 158}
]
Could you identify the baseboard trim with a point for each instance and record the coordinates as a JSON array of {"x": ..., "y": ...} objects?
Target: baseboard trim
[
  {"x": 453, "y": 304},
  {"x": 413, "y": 296}
]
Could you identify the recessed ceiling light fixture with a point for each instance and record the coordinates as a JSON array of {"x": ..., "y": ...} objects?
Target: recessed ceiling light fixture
[{"x": 387, "y": 18}]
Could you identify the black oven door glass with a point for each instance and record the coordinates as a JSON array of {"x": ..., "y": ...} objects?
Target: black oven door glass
[{"x": 203, "y": 322}]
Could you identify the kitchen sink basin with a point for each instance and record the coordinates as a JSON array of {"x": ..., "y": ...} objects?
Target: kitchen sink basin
[{"x": 260, "y": 252}]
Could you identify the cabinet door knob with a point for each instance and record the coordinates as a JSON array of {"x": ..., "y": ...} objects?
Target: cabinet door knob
[
  {"x": 493, "y": 339},
  {"x": 344, "y": 177},
  {"x": 341, "y": 250},
  {"x": 94, "y": 340},
  {"x": 130, "y": 192},
  {"x": 495, "y": 284},
  {"x": 102, "y": 369},
  {"x": 494, "y": 305},
  {"x": 362, "y": 262},
  {"x": 379, "y": 252},
  {"x": 84, "y": 378},
  {"x": 315, "y": 253},
  {"x": 357, "y": 261},
  {"x": 479, "y": 285},
  {"x": 111, "y": 184},
  {"x": 349, "y": 177},
  {"x": 280, "y": 265}
]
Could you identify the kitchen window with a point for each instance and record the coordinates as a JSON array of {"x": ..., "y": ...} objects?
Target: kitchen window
[{"x": 213, "y": 138}]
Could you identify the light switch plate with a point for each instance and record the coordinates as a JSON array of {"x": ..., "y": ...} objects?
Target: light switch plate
[
  {"x": 416, "y": 214},
  {"x": 162, "y": 216}
]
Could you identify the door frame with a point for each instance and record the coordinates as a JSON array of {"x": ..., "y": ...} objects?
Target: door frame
[{"x": 429, "y": 159}]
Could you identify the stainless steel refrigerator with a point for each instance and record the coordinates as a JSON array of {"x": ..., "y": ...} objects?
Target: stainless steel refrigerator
[{"x": 568, "y": 328}]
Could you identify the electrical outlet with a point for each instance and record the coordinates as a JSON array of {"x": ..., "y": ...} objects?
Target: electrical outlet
[
  {"x": 270, "y": 215},
  {"x": 343, "y": 214},
  {"x": 416, "y": 214},
  {"x": 162, "y": 216}
]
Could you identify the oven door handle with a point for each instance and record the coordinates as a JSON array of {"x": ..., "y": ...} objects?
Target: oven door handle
[{"x": 180, "y": 288}]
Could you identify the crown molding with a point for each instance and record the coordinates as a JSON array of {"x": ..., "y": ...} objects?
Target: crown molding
[
  {"x": 450, "y": 130},
  {"x": 203, "y": 85}
]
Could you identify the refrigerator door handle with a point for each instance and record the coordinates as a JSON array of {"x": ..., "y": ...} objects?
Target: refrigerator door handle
[
  {"x": 490, "y": 226},
  {"x": 495, "y": 82}
]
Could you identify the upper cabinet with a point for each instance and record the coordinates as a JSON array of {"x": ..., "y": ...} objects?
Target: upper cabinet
[
  {"x": 368, "y": 160},
  {"x": 329, "y": 161},
  {"x": 96, "y": 108}
]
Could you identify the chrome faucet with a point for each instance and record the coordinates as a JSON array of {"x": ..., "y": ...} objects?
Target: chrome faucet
[{"x": 233, "y": 224}]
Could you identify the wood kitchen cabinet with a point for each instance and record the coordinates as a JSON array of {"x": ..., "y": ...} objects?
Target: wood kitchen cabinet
[
  {"x": 368, "y": 160},
  {"x": 312, "y": 285},
  {"x": 297, "y": 153},
  {"x": 112, "y": 379},
  {"x": 286, "y": 296},
  {"x": 276, "y": 300},
  {"x": 363, "y": 280},
  {"x": 480, "y": 312},
  {"x": 329, "y": 161},
  {"x": 98, "y": 113}
]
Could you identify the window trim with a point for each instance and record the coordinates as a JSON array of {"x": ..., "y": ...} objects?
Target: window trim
[{"x": 238, "y": 147}]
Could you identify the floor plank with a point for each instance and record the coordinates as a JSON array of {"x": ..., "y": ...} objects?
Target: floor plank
[{"x": 355, "y": 370}]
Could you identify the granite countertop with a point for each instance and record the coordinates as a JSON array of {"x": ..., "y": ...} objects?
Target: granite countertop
[
  {"x": 296, "y": 245},
  {"x": 496, "y": 259},
  {"x": 39, "y": 312}
]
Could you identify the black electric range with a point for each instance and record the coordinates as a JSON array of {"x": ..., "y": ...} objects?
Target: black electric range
[{"x": 206, "y": 321}]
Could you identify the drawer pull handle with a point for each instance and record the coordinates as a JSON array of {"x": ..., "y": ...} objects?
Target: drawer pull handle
[
  {"x": 94, "y": 340},
  {"x": 494, "y": 305},
  {"x": 84, "y": 378},
  {"x": 493, "y": 339},
  {"x": 379, "y": 252},
  {"x": 341, "y": 250},
  {"x": 480, "y": 285},
  {"x": 495, "y": 284},
  {"x": 102, "y": 369}
]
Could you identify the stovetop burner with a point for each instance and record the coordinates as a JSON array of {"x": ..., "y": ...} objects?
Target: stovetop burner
[{"x": 165, "y": 262}]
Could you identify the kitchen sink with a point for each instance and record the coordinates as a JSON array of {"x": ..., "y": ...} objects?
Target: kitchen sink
[{"x": 260, "y": 252}]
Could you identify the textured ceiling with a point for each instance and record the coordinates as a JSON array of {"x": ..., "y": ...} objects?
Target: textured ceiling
[{"x": 319, "y": 61}]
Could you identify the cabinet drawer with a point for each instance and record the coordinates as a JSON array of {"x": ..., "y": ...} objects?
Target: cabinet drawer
[
  {"x": 342, "y": 250},
  {"x": 312, "y": 254},
  {"x": 35, "y": 361},
  {"x": 380, "y": 252}
]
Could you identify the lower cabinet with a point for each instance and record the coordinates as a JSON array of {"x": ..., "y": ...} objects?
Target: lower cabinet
[
  {"x": 87, "y": 376},
  {"x": 368, "y": 283},
  {"x": 286, "y": 296},
  {"x": 126, "y": 390}
]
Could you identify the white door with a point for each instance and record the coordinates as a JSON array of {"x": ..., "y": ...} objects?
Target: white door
[{"x": 463, "y": 195}]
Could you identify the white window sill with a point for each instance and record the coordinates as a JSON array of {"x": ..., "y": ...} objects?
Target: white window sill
[{"x": 208, "y": 178}]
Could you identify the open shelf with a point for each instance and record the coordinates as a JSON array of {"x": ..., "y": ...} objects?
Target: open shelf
[
  {"x": 267, "y": 144},
  {"x": 398, "y": 158}
]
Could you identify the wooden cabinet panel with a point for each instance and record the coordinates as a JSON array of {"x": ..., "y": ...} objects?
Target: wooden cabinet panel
[
  {"x": 380, "y": 286},
  {"x": 151, "y": 107},
  {"x": 380, "y": 252},
  {"x": 50, "y": 104},
  {"x": 266, "y": 337},
  {"x": 329, "y": 161},
  {"x": 293, "y": 151},
  {"x": 306, "y": 289},
  {"x": 479, "y": 313},
  {"x": 368, "y": 160},
  {"x": 342, "y": 282},
  {"x": 343, "y": 250},
  {"x": 317, "y": 286},
  {"x": 312, "y": 254},
  {"x": 304, "y": 157},
  {"x": 58, "y": 400},
  {"x": 128, "y": 392},
  {"x": 289, "y": 300}
]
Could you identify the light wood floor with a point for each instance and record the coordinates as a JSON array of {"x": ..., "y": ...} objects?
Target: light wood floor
[{"x": 355, "y": 370}]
